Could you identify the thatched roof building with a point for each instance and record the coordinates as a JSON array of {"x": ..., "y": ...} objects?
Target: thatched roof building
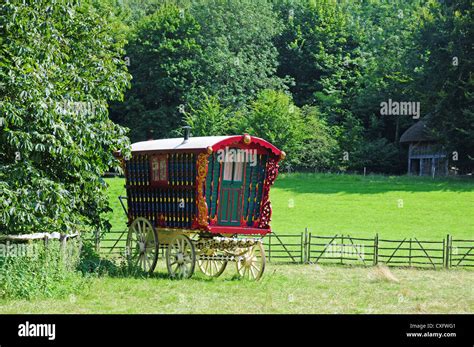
[
  {"x": 418, "y": 132},
  {"x": 426, "y": 156}
]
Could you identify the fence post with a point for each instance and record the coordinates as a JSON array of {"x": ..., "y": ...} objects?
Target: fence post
[
  {"x": 301, "y": 248},
  {"x": 270, "y": 248},
  {"x": 97, "y": 241},
  {"x": 376, "y": 249},
  {"x": 448, "y": 250},
  {"x": 308, "y": 253},
  {"x": 450, "y": 254},
  {"x": 444, "y": 252},
  {"x": 305, "y": 245},
  {"x": 342, "y": 249},
  {"x": 409, "y": 253}
]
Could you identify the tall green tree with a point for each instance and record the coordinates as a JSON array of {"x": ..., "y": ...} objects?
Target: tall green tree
[
  {"x": 446, "y": 85},
  {"x": 239, "y": 58},
  {"x": 321, "y": 52},
  {"x": 185, "y": 50},
  {"x": 346, "y": 58},
  {"x": 59, "y": 67},
  {"x": 163, "y": 53},
  {"x": 209, "y": 118},
  {"x": 391, "y": 63},
  {"x": 318, "y": 50},
  {"x": 274, "y": 117}
]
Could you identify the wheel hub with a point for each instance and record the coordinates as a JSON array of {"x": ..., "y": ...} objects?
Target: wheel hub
[
  {"x": 180, "y": 258},
  {"x": 141, "y": 246},
  {"x": 248, "y": 260}
]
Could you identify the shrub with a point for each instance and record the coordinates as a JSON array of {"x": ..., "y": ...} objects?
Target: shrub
[
  {"x": 39, "y": 271},
  {"x": 91, "y": 263}
]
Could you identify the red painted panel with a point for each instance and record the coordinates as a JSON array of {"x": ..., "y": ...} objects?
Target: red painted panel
[
  {"x": 255, "y": 142},
  {"x": 217, "y": 229}
]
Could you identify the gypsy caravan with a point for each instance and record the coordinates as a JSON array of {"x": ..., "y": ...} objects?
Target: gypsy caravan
[{"x": 205, "y": 199}]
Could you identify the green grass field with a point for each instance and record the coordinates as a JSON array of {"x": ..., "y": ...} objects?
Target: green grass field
[
  {"x": 328, "y": 204},
  {"x": 284, "y": 289}
]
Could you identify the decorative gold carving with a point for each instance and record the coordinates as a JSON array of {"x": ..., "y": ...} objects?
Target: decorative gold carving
[
  {"x": 247, "y": 139},
  {"x": 266, "y": 214},
  {"x": 202, "y": 163},
  {"x": 266, "y": 207}
]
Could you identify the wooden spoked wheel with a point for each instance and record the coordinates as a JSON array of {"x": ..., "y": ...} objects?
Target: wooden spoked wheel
[
  {"x": 142, "y": 245},
  {"x": 252, "y": 263},
  {"x": 181, "y": 257},
  {"x": 211, "y": 268}
]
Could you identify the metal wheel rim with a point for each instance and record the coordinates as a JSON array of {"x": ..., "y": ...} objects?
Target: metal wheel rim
[
  {"x": 181, "y": 257},
  {"x": 253, "y": 263},
  {"x": 142, "y": 245}
]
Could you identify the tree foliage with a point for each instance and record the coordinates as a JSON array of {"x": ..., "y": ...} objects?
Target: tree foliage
[
  {"x": 239, "y": 58},
  {"x": 163, "y": 54},
  {"x": 59, "y": 66},
  {"x": 180, "y": 52},
  {"x": 447, "y": 81},
  {"x": 340, "y": 59},
  {"x": 209, "y": 118}
]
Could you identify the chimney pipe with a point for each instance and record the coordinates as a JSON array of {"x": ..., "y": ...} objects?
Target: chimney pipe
[
  {"x": 187, "y": 130},
  {"x": 150, "y": 134}
]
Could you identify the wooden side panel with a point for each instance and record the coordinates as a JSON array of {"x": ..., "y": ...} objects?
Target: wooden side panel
[
  {"x": 230, "y": 214},
  {"x": 253, "y": 190},
  {"x": 212, "y": 186},
  {"x": 166, "y": 206}
]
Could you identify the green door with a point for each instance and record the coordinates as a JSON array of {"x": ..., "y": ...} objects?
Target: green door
[{"x": 230, "y": 203}]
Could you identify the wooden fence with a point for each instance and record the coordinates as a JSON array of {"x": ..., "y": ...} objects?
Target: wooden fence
[{"x": 306, "y": 247}]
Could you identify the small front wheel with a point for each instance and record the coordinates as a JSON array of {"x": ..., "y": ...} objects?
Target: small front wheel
[
  {"x": 211, "y": 267},
  {"x": 251, "y": 264},
  {"x": 181, "y": 257}
]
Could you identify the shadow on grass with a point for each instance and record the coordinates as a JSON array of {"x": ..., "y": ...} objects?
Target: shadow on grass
[
  {"x": 371, "y": 184},
  {"x": 93, "y": 264}
]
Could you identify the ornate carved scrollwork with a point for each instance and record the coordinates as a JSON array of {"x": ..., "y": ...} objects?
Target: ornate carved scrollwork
[
  {"x": 266, "y": 214},
  {"x": 202, "y": 211},
  {"x": 266, "y": 207}
]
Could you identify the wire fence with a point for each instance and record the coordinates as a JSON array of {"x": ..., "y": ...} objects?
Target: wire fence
[{"x": 309, "y": 248}]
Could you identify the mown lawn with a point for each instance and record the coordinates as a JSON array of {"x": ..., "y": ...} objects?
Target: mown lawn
[
  {"x": 328, "y": 204},
  {"x": 284, "y": 289},
  {"x": 395, "y": 207}
]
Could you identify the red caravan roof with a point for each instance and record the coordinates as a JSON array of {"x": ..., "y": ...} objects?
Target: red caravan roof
[{"x": 200, "y": 143}]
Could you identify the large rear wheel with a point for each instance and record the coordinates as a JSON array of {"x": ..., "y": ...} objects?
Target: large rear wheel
[{"x": 142, "y": 245}]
